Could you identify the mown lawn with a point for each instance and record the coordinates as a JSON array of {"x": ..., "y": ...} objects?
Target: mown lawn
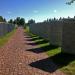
[
  {"x": 65, "y": 62},
  {"x": 5, "y": 38},
  {"x": 69, "y": 69}
]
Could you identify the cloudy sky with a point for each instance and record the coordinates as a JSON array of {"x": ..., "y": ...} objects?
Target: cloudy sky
[{"x": 36, "y": 9}]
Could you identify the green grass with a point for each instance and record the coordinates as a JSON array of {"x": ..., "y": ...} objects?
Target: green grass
[
  {"x": 69, "y": 69},
  {"x": 27, "y": 29},
  {"x": 5, "y": 38},
  {"x": 53, "y": 52}
]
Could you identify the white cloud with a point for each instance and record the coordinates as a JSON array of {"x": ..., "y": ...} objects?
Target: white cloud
[
  {"x": 9, "y": 12},
  {"x": 55, "y": 11},
  {"x": 35, "y": 11}
]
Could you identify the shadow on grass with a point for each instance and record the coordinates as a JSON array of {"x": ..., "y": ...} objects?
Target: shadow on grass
[
  {"x": 43, "y": 49},
  {"x": 53, "y": 63},
  {"x": 28, "y": 35},
  {"x": 34, "y": 38},
  {"x": 43, "y": 45}
]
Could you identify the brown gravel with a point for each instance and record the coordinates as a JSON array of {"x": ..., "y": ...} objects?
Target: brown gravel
[{"x": 15, "y": 59}]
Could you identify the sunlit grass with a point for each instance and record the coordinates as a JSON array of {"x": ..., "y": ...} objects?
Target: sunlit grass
[
  {"x": 5, "y": 38},
  {"x": 69, "y": 69},
  {"x": 26, "y": 29},
  {"x": 53, "y": 52}
]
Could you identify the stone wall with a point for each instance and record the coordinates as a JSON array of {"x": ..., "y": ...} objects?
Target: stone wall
[
  {"x": 58, "y": 32},
  {"x": 5, "y": 28},
  {"x": 40, "y": 29},
  {"x": 51, "y": 31},
  {"x": 68, "y": 36},
  {"x": 55, "y": 32}
]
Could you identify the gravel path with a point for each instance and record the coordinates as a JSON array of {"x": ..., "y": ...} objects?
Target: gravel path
[{"x": 15, "y": 59}]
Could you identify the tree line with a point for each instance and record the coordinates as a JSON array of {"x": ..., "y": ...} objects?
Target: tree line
[
  {"x": 2, "y": 19},
  {"x": 70, "y": 2},
  {"x": 19, "y": 21}
]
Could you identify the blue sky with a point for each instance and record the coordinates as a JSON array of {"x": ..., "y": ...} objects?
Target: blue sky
[{"x": 36, "y": 9}]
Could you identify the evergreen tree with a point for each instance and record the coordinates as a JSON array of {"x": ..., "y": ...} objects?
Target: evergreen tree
[
  {"x": 14, "y": 22},
  {"x": 4, "y": 20},
  {"x": 74, "y": 17},
  {"x": 1, "y": 19},
  {"x": 69, "y": 3},
  {"x": 10, "y": 21},
  {"x": 18, "y": 20},
  {"x": 22, "y": 22}
]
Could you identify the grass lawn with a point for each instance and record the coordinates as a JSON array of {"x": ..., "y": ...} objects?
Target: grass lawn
[
  {"x": 65, "y": 62},
  {"x": 53, "y": 52},
  {"x": 5, "y": 38},
  {"x": 26, "y": 29}
]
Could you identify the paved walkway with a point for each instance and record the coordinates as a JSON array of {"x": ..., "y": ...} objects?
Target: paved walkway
[{"x": 15, "y": 59}]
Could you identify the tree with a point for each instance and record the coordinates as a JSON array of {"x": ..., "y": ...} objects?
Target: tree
[
  {"x": 22, "y": 22},
  {"x": 60, "y": 18},
  {"x": 10, "y": 21},
  {"x": 49, "y": 20},
  {"x": 68, "y": 17},
  {"x": 54, "y": 19},
  {"x": 18, "y": 20},
  {"x": 69, "y": 3},
  {"x": 1, "y": 19},
  {"x": 31, "y": 21},
  {"x": 4, "y": 20},
  {"x": 14, "y": 22}
]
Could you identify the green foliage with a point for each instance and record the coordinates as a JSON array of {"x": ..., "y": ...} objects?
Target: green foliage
[
  {"x": 14, "y": 22},
  {"x": 27, "y": 28},
  {"x": 2, "y": 19},
  {"x": 5, "y": 20},
  {"x": 69, "y": 3},
  {"x": 10, "y": 21},
  {"x": 22, "y": 21},
  {"x": 19, "y": 21}
]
